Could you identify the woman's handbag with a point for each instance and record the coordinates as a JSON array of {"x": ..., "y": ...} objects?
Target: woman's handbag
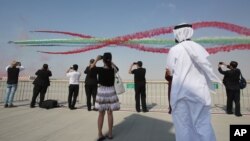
[{"x": 119, "y": 87}]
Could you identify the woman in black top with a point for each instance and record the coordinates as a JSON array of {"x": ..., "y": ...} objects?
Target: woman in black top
[{"x": 106, "y": 99}]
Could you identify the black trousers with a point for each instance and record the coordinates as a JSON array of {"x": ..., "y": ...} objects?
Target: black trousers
[
  {"x": 90, "y": 90},
  {"x": 36, "y": 90},
  {"x": 140, "y": 94},
  {"x": 233, "y": 95},
  {"x": 73, "y": 93}
]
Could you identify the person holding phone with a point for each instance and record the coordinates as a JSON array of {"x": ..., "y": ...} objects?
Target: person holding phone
[
  {"x": 74, "y": 78},
  {"x": 106, "y": 98},
  {"x": 12, "y": 81},
  {"x": 231, "y": 83},
  {"x": 140, "y": 85}
]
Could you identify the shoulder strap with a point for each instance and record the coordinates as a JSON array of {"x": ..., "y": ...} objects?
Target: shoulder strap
[
  {"x": 114, "y": 69},
  {"x": 241, "y": 74}
]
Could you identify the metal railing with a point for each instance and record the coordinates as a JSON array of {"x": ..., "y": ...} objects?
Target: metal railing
[{"x": 156, "y": 92}]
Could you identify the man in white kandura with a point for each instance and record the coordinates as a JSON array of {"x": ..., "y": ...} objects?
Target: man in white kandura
[{"x": 190, "y": 92}]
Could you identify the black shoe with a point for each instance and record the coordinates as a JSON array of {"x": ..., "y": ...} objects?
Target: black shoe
[
  {"x": 73, "y": 108},
  {"x": 11, "y": 106},
  {"x": 238, "y": 115},
  {"x": 32, "y": 106},
  {"x": 109, "y": 137},
  {"x": 229, "y": 113},
  {"x": 101, "y": 138},
  {"x": 144, "y": 111},
  {"x": 94, "y": 109},
  {"x": 5, "y": 105},
  {"x": 138, "y": 111},
  {"x": 89, "y": 108}
]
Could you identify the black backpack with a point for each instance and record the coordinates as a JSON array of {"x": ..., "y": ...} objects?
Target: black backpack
[
  {"x": 49, "y": 104},
  {"x": 243, "y": 82}
]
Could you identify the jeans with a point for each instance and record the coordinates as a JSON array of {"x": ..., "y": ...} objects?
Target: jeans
[{"x": 10, "y": 93}]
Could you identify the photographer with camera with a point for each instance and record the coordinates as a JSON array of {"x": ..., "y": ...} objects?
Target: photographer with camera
[
  {"x": 74, "y": 77},
  {"x": 12, "y": 80},
  {"x": 41, "y": 83},
  {"x": 106, "y": 98},
  {"x": 90, "y": 84},
  {"x": 231, "y": 82},
  {"x": 140, "y": 85}
]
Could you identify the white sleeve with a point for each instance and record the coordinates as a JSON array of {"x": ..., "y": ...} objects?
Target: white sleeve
[
  {"x": 170, "y": 61},
  {"x": 68, "y": 74},
  {"x": 21, "y": 68},
  {"x": 7, "y": 67}
]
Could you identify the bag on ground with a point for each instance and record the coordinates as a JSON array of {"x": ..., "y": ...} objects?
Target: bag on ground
[{"x": 49, "y": 104}]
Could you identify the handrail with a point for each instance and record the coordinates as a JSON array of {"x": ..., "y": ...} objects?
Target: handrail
[{"x": 156, "y": 92}]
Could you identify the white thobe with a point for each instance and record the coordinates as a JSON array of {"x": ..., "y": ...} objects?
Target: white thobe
[{"x": 190, "y": 92}]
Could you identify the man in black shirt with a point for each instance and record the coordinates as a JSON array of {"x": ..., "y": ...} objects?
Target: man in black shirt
[
  {"x": 140, "y": 86},
  {"x": 231, "y": 82},
  {"x": 12, "y": 81},
  {"x": 90, "y": 84},
  {"x": 41, "y": 84}
]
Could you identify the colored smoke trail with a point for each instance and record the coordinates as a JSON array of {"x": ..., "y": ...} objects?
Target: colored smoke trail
[
  {"x": 223, "y": 25},
  {"x": 166, "y": 30},
  {"x": 65, "y": 33},
  {"x": 228, "y": 48},
  {"x": 121, "y": 40},
  {"x": 212, "y": 50},
  {"x": 165, "y": 42}
]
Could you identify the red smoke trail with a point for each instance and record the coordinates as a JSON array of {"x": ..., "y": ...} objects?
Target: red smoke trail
[
  {"x": 117, "y": 40},
  {"x": 66, "y": 33},
  {"x": 222, "y": 25},
  {"x": 147, "y": 49},
  {"x": 165, "y": 30},
  {"x": 228, "y": 48},
  {"x": 146, "y": 34},
  {"x": 88, "y": 48}
]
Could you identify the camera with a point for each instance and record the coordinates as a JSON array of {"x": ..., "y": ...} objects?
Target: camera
[
  {"x": 18, "y": 63},
  {"x": 221, "y": 63},
  {"x": 134, "y": 63},
  {"x": 101, "y": 57}
]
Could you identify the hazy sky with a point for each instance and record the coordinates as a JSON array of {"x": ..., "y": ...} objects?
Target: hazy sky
[{"x": 111, "y": 18}]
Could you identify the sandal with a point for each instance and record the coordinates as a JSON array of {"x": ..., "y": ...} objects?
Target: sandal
[
  {"x": 109, "y": 137},
  {"x": 101, "y": 138}
]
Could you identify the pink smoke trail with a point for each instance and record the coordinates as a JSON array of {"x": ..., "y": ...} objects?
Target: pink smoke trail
[
  {"x": 228, "y": 48},
  {"x": 146, "y": 34},
  {"x": 65, "y": 33}
]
